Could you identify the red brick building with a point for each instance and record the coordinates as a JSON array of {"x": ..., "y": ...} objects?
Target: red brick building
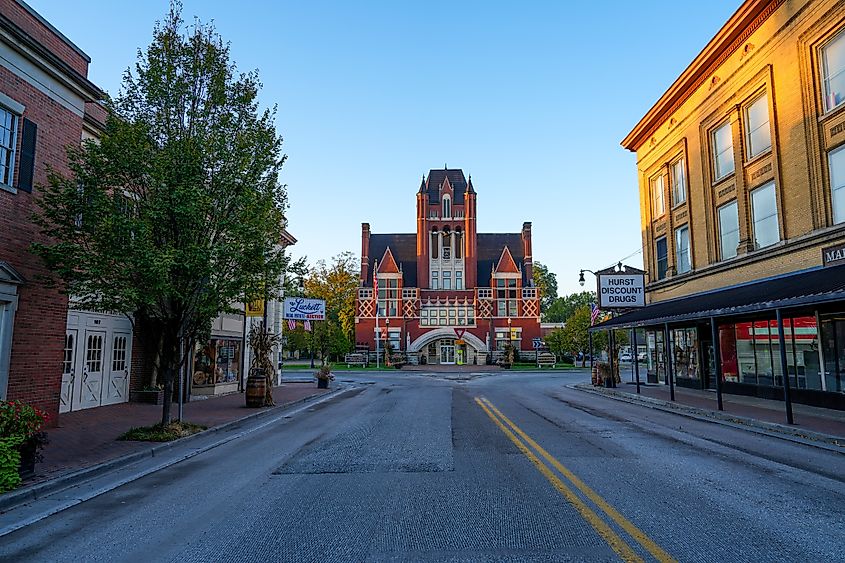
[
  {"x": 44, "y": 91},
  {"x": 446, "y": 294}
]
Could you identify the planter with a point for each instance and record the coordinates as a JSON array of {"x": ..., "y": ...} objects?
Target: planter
[
  {"x": 154, "y": 397},
  {"x": 29, "y": 454},
  {"x": 322, "y": 384},
  {"x": 256, "y": 389}
]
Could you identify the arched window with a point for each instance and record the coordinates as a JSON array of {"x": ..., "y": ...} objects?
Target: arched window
[
  {"x": 447, "y": 207},
  {"x": 458, "y": 244},
  {"x": 435, "y": 244}
]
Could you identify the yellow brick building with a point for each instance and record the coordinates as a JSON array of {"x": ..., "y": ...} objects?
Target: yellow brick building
[{"x": 741, "y": 172}]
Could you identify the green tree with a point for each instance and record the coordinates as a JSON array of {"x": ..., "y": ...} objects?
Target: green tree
[
  {"x": 175, "y": 213},
  {"x": 563, "y": 307},
  {"x": 546, "y": 282},
  {"x": 337, "y": 283}
]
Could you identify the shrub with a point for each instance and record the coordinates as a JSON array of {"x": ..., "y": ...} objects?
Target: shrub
[{"x": 19, "y": 423}]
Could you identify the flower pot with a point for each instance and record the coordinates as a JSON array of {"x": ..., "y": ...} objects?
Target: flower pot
[
  {"x": 322, "y": 384},
  {"x": 28, "y": 451}
]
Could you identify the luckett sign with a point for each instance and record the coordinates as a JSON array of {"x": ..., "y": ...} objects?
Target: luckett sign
[
  {"x": 300, "y": 308},
  {"x": 621, "y": 288}
]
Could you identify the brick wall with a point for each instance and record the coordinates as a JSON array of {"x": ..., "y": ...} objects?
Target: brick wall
[
  {"x": 42, "y": 34},
  {"x": 38, "y": 337}
]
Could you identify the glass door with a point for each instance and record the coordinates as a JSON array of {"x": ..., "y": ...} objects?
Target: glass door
[{"x": 447, "y": 353}]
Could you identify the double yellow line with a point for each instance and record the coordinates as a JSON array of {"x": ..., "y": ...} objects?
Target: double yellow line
[{"x": 619, "y": 545}]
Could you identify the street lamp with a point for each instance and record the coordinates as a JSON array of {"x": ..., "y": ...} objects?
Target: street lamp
[{"x": 386, "y": 341}]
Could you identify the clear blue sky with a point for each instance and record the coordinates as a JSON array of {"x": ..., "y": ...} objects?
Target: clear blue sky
[{"x": 531, "y": 98}]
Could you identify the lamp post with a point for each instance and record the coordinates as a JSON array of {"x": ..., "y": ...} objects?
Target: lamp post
[{"x": 589, "y": 334}]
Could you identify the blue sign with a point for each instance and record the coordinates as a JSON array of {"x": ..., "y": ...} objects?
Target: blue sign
[{"x": 300, "y": 308}]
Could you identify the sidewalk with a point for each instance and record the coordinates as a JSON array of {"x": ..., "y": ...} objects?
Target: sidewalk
[
  {"x": 811, "y": 424},
  {"x": 89, "y": 437}
]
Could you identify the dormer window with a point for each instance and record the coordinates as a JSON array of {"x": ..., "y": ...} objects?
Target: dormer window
[{"x": 447, "y": 207}]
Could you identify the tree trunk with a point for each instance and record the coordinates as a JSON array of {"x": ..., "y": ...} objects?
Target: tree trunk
[{"x": 170, "y": 360}]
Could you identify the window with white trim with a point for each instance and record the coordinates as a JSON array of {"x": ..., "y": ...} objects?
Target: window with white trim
[
  {"x": 657, "y": 191},
  {"x": 435, "y": 280},
  {"x": 764, "y": 213},
  {"x": 8, "y": 143},
  {"x": 723, "y": 151},
  {"x": 459, "y": 280},
  {"x": 447, "y": 279},
  {"x": 836, "y": 161},
  {"x": 662, "y": 256},
  {"x": 833, "y": 71},
  {"x": 758, "y": 135},
  {"x": 728, "y": 230},
  {"x": 682, "y": 250},
  {"x": 447, "y": 207},
  {"x": 679, "y": 182}
]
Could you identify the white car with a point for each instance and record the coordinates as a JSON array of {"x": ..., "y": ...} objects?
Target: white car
[
  {"x": 625, "y": 357},
  {"x": 642, "y": 356}
]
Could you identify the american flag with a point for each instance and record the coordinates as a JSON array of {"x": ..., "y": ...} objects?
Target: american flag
[
  {"x": 594, "y": 313},
  {"x": 291, "y": 324},
  {"x": 306, "y": 324}
]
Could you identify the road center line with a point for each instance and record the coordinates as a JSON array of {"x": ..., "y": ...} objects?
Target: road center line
[
  {"x": 645, "y": 541},
  {"x": 606, "y": 532}
]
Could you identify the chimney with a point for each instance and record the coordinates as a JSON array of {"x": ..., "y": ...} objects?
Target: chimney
[
  {"x": 365, "y": 252},
  {"x": 526, "y": 249}
]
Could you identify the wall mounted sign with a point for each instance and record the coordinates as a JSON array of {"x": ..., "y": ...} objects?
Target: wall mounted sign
[
  {"x": 620, "y": 287},
  {"x": 300, "y": 308},
  {"x": 833, "y": 255}
]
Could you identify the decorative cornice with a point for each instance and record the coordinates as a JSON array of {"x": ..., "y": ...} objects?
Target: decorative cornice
[{"x": 733, "y": 34}]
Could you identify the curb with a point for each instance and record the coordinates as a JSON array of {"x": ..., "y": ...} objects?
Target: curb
[
  {"x": 21, "y": 496},
  {"x": 807, "y": 437}
]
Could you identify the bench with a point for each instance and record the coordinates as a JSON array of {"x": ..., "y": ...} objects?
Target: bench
[
  {"x": 546, "y": 359},
  {"x": 355, "y": 360}
]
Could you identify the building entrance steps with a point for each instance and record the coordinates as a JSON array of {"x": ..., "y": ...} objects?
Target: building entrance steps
[
  {"x": 88, "y": 438},
  {"x": 813, "y": 425}
]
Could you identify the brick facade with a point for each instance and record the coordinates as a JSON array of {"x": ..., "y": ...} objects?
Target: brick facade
[
  {"x": 41, "y": 314},
  {"x": 769, "y": 48}
]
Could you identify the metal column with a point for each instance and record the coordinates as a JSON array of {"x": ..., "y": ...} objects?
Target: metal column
[
  {"x": 717, "y": 362},
  {"x": 669, "y": 355},
  {"x": 635, "y": 357},
  {"x": 784, "y": 367}
]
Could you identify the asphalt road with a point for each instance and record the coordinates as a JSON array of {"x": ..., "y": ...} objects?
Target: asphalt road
[{"x": 510, "y": 467}]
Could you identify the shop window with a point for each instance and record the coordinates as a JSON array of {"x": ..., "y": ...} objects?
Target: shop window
[
  {"x": 679, "y": 182},
  {"x": 685, "y": 353},
  {"x": 833, "y": 71},
  {"x": 657, "y": 195},
  {"x": 218, "y": 361},
  {"x": 758, "y": 136},
  {"x": 682, "y": 250},
  {"x": 833, "y": 352},
  {"x": 8, "y": 144},
  {"x": 728, "y": 230},
  {"x": 728, "y": 350},
  {"x": 836, "y": 161},
  {"x": 764, "y": 212},
  {"x": 802, "y": 339},
  {"x": 662, "y": 257},
  {"x": 723, "y": 151}
]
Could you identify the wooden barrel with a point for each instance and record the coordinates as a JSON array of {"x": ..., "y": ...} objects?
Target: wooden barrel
[{"x": 256, "y": 389}]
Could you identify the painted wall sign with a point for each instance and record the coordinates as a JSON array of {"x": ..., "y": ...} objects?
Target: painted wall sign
[
  {"x": 621, "y": 291},
  {"x": 300, "y": 308},
  {"x": 833, "y": 255}
]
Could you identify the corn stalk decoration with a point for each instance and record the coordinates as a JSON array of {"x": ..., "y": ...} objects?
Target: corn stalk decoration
[{"x": 261, "y": 342}]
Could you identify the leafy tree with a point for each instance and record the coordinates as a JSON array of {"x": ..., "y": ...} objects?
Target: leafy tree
[
  {"x": 563, "y": 307},
  {"x": 337, "y": 283},
  {"x": 175, "y": 213},
  {"x": 546, "y": 282}
]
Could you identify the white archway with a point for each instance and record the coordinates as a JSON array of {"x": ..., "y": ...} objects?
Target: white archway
[{"x": 439, "y": 333}]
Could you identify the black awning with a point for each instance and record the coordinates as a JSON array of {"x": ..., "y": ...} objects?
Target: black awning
[{"x": 821, "y": 285}]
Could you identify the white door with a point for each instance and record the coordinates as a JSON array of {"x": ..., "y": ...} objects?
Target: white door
[
  {"x": 68, "y": 371},
  {"x": 90, "y": 386},
  {"x": 117, "y": 386},
  {"x": 447, "y": 354}
]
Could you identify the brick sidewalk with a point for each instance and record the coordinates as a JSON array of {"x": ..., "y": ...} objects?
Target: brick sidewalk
[
  {"x": 814, "y": 419},
  {"x": 89, "y": 437}
]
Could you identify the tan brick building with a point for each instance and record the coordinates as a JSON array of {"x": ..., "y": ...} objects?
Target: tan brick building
[{"x": 741, "y": 171}]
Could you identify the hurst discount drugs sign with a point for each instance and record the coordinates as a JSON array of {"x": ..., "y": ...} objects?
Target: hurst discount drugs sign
[{"x": 621, "y": 291}]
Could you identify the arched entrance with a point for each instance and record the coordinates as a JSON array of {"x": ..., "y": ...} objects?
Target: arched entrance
[{"x": 443, "y": 347}]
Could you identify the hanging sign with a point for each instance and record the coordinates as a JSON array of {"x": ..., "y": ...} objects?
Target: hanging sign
[
  {"x": 621, "y": 291},
  {"x": 255, "y": 308},
  {"x": 300, "y": 308}
]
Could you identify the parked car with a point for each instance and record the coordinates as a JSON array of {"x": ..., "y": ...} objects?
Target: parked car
[
  {"x": 625, "y": 357},
  {"x": 642, "y": 357}
]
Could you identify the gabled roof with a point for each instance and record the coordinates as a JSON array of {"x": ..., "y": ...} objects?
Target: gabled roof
[
  {"x": 506, "y": 264},
  {"x": 387, "y": 265},
  {"x": 403, "y": 248},
  {"x": 437, "y": 177},
  {"x": 9, "y": 275}
]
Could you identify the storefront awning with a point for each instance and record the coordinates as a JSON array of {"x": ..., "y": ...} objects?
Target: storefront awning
[{"x": 789, "y": 291}]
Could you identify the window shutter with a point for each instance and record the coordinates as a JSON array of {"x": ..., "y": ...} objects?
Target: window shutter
[{"x": 27, "y": 162}]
